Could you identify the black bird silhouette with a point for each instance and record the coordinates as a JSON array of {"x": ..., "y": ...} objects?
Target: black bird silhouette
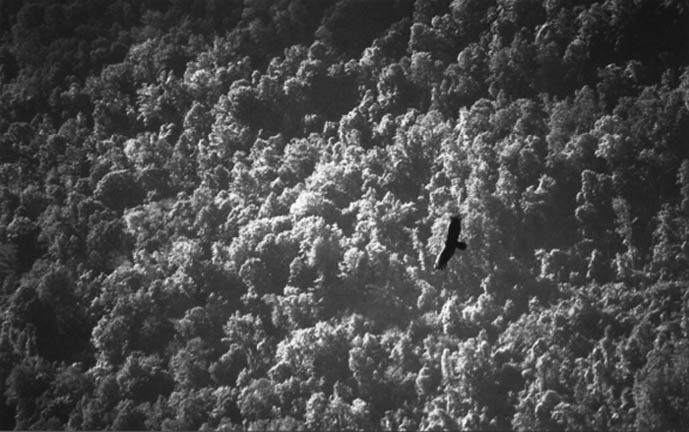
[{"x": 451, "y": 243}]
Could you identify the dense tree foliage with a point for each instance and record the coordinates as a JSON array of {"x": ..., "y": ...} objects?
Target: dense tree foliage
[{"x": 224, "y": 214}]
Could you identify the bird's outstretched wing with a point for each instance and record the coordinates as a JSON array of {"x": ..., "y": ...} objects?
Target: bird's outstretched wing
[
  {"x": 444, "y": 257},
  {"x": 454, "y": 230},
  {"x": 451, "y": 243}
]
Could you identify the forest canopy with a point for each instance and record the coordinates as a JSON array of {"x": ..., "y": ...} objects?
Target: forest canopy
[{"x": 224, "y": 214}]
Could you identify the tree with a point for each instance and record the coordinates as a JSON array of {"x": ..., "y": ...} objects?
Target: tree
[
  {"x": 118, "y": 190},
  {"x": 595, "y": 212},
  {"x": 143, "y": 378},
  {"x": 26, "y": 383},
  {"x": 319, "y": 352},
  {"x": 257, "y": 400},
  {"x": 667, "y": 254},
  {"x": 190, "y": 409},
  {"x": 660, "y": 389},
  {"x": 338, "y": 23},
  {"x": 23, "y": 233}
]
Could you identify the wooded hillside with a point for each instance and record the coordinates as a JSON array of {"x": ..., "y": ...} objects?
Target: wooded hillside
[{"x": 224, "y": 214}]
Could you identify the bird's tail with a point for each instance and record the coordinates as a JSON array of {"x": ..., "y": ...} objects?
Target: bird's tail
[{"x": 461, "y": 245}]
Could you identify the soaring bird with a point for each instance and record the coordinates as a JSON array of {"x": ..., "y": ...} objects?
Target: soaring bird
[{"x": 451, "y": 243}]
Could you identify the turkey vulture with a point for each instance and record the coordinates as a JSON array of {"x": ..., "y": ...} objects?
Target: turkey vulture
[{"x": 451, "y": 243}]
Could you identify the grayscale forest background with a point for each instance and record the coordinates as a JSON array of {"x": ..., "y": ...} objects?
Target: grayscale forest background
[{"x": 224, "y": 214}]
